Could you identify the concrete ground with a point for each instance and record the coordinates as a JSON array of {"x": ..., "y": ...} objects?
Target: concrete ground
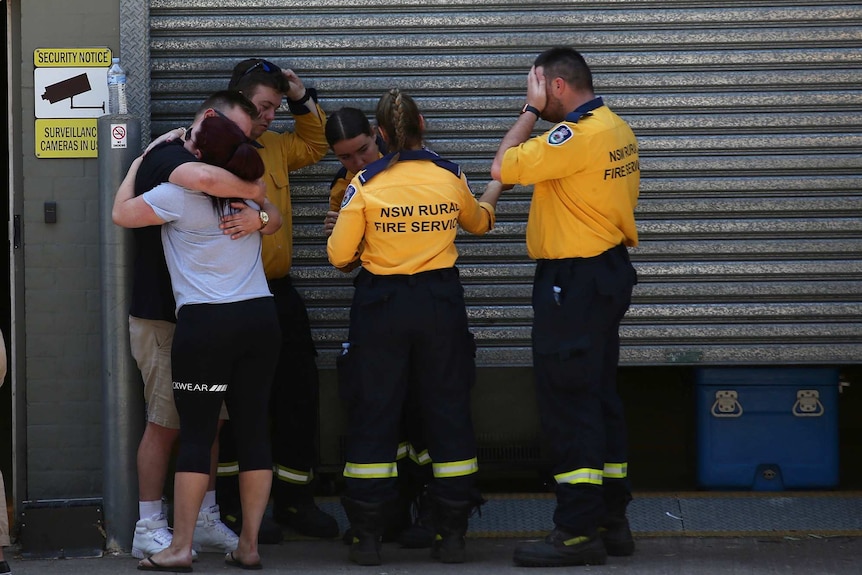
[{"x": 796, "y": 555}]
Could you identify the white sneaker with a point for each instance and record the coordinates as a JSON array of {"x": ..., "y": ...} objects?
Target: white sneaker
[
  {"x": 151, "y": 536},
  {"x": 213, "y": 536}
]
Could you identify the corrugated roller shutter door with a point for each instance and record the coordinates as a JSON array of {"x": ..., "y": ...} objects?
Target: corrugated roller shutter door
[{"x": 748, "y": 118}]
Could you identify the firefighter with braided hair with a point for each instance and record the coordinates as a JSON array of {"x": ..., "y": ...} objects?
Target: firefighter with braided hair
[{"x": 408, "y": 327}]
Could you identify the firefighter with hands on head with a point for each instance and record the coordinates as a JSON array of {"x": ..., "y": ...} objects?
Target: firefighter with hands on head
[
  {"x": 408, "y": 329},
  {"x": 294, "y": 400},
  {"x": 586, "y": 177},
  {"x": 355, "y": 143}
]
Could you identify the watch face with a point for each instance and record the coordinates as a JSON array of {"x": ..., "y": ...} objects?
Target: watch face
[{"x": 264, "y": 217}]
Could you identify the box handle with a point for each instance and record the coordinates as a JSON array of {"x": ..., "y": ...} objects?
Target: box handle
[
  {"x": 726, "y": 404},
  {"x": 808, "y": 404}
]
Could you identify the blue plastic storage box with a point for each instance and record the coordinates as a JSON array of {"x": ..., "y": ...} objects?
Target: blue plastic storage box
[{"x": 767, "y": 428}]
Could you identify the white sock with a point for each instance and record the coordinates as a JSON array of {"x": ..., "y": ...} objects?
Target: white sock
[
  {"x": 150, "y": 509},
  {"x": 209, "y": 501}
]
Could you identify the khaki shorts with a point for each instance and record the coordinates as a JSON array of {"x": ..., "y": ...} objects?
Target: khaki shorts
[{"x": 151, "y": 342}]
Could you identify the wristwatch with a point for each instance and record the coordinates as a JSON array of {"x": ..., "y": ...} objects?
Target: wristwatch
[
  {"x": 264, "y": 219},
  {"x": 533, "y": 109}
]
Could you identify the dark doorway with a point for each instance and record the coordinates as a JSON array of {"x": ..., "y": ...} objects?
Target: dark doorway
[{"x": 5, "y": 289}]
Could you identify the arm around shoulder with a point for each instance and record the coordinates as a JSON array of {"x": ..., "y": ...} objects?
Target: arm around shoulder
[
  {"x": 217, "y": 182},
  {"x": 132, "y": 211}
]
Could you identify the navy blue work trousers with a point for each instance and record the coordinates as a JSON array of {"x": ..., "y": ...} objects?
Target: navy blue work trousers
[
  {"x": 578, "y": 304},
  {"x": 409, "y": 341}
]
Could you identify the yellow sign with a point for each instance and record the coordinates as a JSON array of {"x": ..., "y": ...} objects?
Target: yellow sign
[
  {"x": 67, "y": 138},
  {"x": 72, "y": 57}
]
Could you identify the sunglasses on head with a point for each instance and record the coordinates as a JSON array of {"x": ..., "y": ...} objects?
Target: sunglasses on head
[{"x": 263, "y": 65}]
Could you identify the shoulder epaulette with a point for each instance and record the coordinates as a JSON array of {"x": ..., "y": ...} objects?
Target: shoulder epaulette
[
  {"x": 405, "y": 156},
  {"x": 340, "y": 175},
  {"x": 374, "y": 168},
  {"x": 584, "y": 110}
]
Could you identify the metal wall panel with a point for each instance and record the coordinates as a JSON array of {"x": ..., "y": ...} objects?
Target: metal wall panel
[{"x": 748, "y": 116}]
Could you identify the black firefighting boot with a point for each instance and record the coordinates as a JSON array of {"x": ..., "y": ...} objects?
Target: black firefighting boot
[
  {"x": 294, "y": 507},
  {"x": 366, "y": 524},
  {"x": 419, "y": 532},
  {"x": 396, "y": 519},
  {"x": 450, "y": 519},
  {"x": 614, "y": 530},
  {"x": 617, "y": 537},
  {"x": 561, "y": 549}
]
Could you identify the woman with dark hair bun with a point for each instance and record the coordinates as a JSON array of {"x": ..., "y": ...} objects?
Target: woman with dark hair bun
[
  {"x": 227, "y": 338},
  {"x": 354, "y": 142}
]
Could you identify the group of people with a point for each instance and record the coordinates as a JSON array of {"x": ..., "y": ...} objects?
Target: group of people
[{"x": 223, "y": 341}]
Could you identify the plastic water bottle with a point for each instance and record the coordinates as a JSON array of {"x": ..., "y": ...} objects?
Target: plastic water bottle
[{"x": 116, "y": 88}]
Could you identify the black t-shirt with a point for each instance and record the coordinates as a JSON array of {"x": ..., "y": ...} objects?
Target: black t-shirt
[{"x": 152, "y": 296}]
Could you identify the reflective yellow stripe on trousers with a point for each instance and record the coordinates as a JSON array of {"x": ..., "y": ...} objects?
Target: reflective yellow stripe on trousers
[
  {"x": 616, "y": 470},
  {"x": 585, "y": 475},
  {"x": 403, "y": 451},
  {"x": 228, "y": 468},
  {"x": 455, "y": 468},
  {"x": 370, "y": 470},
  {"x": 293, "y": 475},
  {"x": 421, "y": 457}
]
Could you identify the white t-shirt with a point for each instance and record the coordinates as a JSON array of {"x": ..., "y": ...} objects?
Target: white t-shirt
[{"x": 205, "y": 264}]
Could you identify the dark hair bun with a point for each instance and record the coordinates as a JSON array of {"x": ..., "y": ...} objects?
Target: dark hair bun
[{"x": 222, "y": 143}]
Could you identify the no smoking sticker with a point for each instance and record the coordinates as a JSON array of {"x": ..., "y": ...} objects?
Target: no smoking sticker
[{"x": 118, "y": 136}]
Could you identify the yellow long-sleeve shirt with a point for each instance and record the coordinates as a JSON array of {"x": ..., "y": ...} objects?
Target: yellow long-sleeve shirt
[{"x": 281, "y": 154}]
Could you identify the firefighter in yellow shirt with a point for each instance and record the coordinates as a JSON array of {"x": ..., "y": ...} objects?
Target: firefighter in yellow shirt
[
  {"x": 408, "y": 327},
  {"x": 586, "y": 177},
  {"x": 355, "y": 143},
  {"x": 294, "y": 398}
]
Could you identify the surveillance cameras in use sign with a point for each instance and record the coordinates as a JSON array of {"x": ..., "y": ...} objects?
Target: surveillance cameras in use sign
[{"x": 71, "y": 92}]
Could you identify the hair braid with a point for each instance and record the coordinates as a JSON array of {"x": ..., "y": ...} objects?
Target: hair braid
[{"x": 399, "y": 118}]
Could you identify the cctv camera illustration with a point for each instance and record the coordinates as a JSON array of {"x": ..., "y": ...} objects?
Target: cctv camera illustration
[{"x": 69, "y": 88}]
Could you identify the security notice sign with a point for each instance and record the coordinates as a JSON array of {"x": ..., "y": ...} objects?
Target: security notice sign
[{"x": 69, "y": 83}]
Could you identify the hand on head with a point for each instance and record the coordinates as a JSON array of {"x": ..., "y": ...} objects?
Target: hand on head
[
  {"x": 537, "y": 88},
  {"x": 297, "y": 88}
]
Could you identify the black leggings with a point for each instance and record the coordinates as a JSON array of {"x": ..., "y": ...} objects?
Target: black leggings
[{"x": 224, "y": 352}]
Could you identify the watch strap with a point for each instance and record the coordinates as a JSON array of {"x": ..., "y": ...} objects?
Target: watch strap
[{"x": 533, "y": 109}]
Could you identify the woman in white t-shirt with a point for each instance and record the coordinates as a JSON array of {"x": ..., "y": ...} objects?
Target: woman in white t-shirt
[{"x": 227, "y": 338}]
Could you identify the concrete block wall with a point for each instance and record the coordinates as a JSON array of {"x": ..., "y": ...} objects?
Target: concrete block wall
[{"x": 61, "y": 299}]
